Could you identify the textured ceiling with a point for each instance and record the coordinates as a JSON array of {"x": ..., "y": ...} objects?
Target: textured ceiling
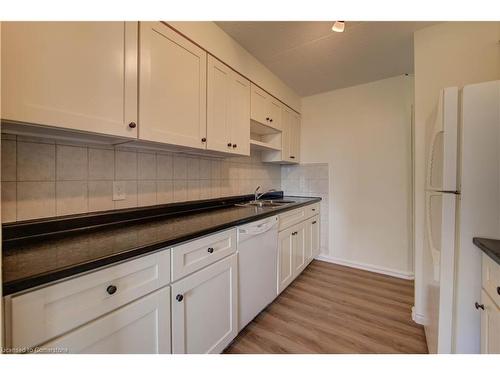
[{"x": 310, "y": 58}]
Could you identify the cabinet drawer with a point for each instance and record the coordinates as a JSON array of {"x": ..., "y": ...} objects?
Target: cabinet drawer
[
  {"x": 491, "y": 278},
  {"x": 40, "y": 315},
  {"x": 312, "y": 210},
  {"x": 194, "y": 255},
  {"x": 290, "y": 218}
]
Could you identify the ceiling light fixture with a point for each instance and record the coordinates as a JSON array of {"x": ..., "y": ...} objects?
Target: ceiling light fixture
[{"x": 338, "y": 26}]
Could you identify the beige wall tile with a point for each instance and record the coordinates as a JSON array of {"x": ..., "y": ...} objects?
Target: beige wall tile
[
  {"x": 215, "y": 188},
  {"x": 101, "y": 164},
  {"x": 36, "y": 200},
  {"x": 193, "y": 168},
  {"x": 146, "y": 193},
  {"x": 71, "y": 197},
  {"x": 164, "y": 192},
  {"x": 215, "y": 169},
  {"x": 180, "y": 167},
  {"x": 146, "y": 166},
  {"x": 9, "y": 158},
  {"x": 165, "y": 167},
  {"x": 36, "y": 161},
  {"x": 180, "y": 191},
  {"x": 125, "y": 165},
  {"x": 130, "y": 195},
  {"x": 193, "y": 190},
  {"x": 71, "y": 163},
  {"x": 205, "y": 169},
  {"x": 9, "y": 201},
  {"x": 100, "y": 196}
]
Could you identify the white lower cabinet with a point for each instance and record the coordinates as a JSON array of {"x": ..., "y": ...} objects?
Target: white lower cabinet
[
  {"x": 312, "y": 238},
  {"x": 490, "y": 326},
  {"x": 205, "y": 308},
  {"x": 141, "y": 327},
  {"x": 285, "y": 258}
]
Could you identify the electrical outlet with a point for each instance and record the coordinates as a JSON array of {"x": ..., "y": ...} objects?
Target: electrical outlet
[{"x": 119, "y": 191}]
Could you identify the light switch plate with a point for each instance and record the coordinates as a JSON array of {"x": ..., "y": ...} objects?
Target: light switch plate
[{"x": 119, "y": 191}]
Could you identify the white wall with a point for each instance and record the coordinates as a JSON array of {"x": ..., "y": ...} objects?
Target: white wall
[
  {"x": 217, "y": 42},
  {"x": 447, "y": 54},
  {"x": 364, "y": 134}
]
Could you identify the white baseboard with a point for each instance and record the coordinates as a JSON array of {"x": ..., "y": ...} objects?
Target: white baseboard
[
  {"x": 368, "y": 267},
  {"x": 417, "y": 317}
]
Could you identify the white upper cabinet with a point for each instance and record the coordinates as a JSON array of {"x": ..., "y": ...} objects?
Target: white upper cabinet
[
  {"x": 75, "y": 75},
  {"x": 290, "y": 139},
  {"x": 294, "y": 138},
  {"x": 228, "y": 110},
  {"x": 172, "y": 90},
  {"x": 264, "y": 108}
]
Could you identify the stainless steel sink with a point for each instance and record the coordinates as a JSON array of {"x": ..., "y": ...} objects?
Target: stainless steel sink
[{"x": 265, "y": 203}]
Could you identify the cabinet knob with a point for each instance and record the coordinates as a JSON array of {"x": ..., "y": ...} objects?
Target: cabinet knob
[
  {"x": 271, "y": 120},
  {"x": 292, "y": 157},
  {"x": 479, "y": 306},
  {"x": 179, "y": 297},
  {"x": 314, "y": 222},
  {"x": 210, "y": 250},
  {"x": 203, "y": 139},
  {"x": 314, "y": 209},
  {"x": 111, "y": 289},
  {"x": 234, "y": 145},
  {"x": 294, "y": 233},
  {"x": 267, "y": 118},
  {"x": 498, "y": 290},
  {"x": 229, "y": 144},
  {"x": 132, "y": 125}
]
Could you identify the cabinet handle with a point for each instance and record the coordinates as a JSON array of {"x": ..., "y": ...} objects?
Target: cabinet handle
[
  {"x": 479, "y": 306},
  {"x": 132, "y": 125},
  {"x": 314, "y": 222},
  {"x": 179, "y": 297},
  {"x": 292, "y": 157},
  {"x": 234, "y": 146},
  {"x": 210, "y": 250},
  {"x": 111, "y": 289},
  {"x": 203, "y": 139},
  {"x": 229, "y": 144}
]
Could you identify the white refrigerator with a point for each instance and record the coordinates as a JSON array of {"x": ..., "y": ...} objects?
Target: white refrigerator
[{"x": 462, "y": 201}]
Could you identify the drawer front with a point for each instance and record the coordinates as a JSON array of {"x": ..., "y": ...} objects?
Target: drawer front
[
  {"x": 194, "y": 255},
  {"x": 290, "y": 218},
  {"x": 491, "y": 278},
  {"x": 312, "y": 210},
  {"x": 40, "y": 315}
]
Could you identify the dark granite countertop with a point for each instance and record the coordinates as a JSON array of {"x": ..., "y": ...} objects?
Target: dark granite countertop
[
  {"x": 35, "y": 259},
  {"x": 490, "y": 247}
]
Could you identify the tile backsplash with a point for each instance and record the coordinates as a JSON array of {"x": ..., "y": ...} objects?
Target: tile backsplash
[
  {"x": 310, "y": 180},
  {"x": 46, "y": 178}
]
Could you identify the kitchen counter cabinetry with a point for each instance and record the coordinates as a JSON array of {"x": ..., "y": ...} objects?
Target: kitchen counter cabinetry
[
  {"x": 80, "y": 76},
  {"x": 298, "y": 243},
  {"x": 490, "y": 306}
]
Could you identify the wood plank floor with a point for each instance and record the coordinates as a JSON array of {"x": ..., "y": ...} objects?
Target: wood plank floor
[{"x": 336, "y": 309}]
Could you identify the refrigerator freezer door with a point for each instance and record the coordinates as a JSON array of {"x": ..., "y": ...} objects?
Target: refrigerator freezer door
[
  {"x": 440, "y": 249},
  {"x": 442, "y": 160}
]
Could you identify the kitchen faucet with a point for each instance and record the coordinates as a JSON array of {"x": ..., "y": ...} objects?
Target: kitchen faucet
[{"x": 257, "y": 196}]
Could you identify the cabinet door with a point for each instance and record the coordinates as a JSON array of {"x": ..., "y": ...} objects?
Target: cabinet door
[
  {"x": 259, "y": 106},
  {"x": 142, "y": 327},
  {"x": 286, "y": 129},
  {"x": 295, "y": 138},
  {"x": 172, "y": 89},
  {"x": 239, "y": 114},
  {"x": 299, "y": 248},
  {"x": 490, "y": 326},
  {"x": 218, "y": 106},
  {"x": 205, "y": 308},
  {"x": 285, "y": 258},
  {"x": 312, "y": 238},
  {"x": 75, "y": 75},
  {"x": 274, "y": 113}
]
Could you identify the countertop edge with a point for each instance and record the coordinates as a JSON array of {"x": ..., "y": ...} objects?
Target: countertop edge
[
  {"x": 40, "y": 280},
  {"x": 487, "y": 250}
]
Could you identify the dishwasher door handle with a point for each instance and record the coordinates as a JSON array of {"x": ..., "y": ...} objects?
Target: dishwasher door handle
[{"x": 258, "y": 229}]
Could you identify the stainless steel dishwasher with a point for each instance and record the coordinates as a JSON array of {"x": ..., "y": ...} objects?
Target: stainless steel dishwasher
[{"x": 257, "y": 268}]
